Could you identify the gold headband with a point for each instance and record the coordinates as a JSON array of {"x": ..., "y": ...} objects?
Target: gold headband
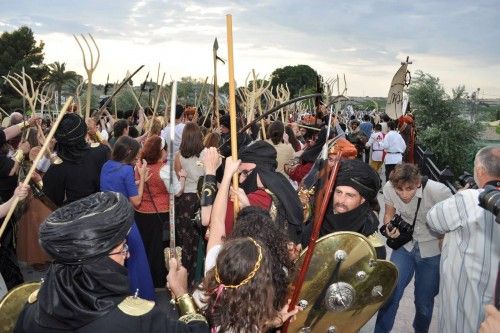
[{"x": 252, "y": 273}]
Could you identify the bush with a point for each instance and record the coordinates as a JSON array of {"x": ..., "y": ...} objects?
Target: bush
[{"x": 441, "y": 126}]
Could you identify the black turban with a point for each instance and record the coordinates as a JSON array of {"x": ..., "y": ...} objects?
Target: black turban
[
  {"x": 83, "y": 283},
  {"x": 88, "y": 228},
  {"x": 360, "y": 176},
  {"x": 289, "y": 207},
  {"x": 261, "y": 153},
  {"x": 70, "y": 137}
]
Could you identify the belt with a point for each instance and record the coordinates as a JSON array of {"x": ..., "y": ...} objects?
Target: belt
[{"x": 393, "y": 152}]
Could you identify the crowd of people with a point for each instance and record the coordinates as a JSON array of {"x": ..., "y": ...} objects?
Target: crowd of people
[{"x": 105, "y": 185}]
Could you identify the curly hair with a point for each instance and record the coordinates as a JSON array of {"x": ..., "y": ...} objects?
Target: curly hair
[
  {"x": 236, "y": 260},
  {"x": 151, "y": 151},
  {"x": 256, "y": 222}
]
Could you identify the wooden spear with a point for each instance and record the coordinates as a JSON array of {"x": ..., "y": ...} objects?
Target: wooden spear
[
  {"x": 232, "y": 106},
  {"x": 35, "y": 162}
]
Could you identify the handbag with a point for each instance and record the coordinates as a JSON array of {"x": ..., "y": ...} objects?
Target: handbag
[{"x": 405, "y": 229}]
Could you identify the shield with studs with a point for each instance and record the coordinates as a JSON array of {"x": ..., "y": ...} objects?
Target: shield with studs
[{"x": 345, "y": 285}]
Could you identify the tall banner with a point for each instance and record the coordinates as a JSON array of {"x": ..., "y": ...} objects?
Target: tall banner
[{"x": 394, "y": 106}]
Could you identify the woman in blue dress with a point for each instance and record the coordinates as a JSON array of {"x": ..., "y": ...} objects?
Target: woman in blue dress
[{"x": 117, "y": 175}]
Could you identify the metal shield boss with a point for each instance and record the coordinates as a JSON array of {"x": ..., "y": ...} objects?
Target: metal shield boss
[{"x": 344, "y": 286}]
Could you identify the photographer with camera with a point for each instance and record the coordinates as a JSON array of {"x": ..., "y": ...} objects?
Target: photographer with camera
[
  {"x": 408, "y": 197},
  {"x": 471, "y": 248}
]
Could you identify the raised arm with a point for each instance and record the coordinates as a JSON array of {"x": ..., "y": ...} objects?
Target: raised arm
[{"x": 218, "y": 216}]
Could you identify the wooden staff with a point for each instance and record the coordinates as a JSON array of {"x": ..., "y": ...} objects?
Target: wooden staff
[
  {"x": 133, "y": 94},
  {"x": 35, "y": 162},
  {"x": 309, "y": 127},
  {"x": 173, "y": 102},
  {"x": 232, "y": 105}
]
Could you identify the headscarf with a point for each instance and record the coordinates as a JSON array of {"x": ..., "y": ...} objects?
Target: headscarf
[
  {"x": 83, "y": 283},
  {"x": 70, "y": 137},
  {"x": 289, "y": 207}
]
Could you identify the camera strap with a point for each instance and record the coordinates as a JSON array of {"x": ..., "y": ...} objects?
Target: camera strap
[{"x": 424, "y": 182}]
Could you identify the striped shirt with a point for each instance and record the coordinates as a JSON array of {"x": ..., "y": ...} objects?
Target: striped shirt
[{"x": 469, "y": 261}]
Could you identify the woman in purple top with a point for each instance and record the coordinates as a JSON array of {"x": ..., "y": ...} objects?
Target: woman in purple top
[{"x": 117, "y": 175}]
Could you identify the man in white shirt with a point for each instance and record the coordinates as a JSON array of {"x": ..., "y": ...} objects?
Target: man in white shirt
[
  {"x": 377, "y": 151},
  {"x": 394, "y": 146},
  {"x": 471, "y": 249},
  {"x": 179, "y": 128}
]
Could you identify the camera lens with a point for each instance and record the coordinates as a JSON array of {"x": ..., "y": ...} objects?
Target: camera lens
[
  {"x": 467, "y": 178},
  {"x": 489, "y": 199}
]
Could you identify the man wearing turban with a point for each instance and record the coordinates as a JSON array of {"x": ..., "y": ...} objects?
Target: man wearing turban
[
  {"x": 86, "y": 286},
  {"x": 356, "y": 187}
]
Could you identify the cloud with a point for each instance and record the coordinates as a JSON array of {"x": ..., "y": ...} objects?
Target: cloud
[{"x": 364, "y": 39}]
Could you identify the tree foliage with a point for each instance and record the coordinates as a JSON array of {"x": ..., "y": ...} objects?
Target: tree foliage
[
  {"x": 299, "y": 78},
  {"x": 18, "y": 50},
  {"x": 59, "y": 77},
  {"x": 441, "y": 125}
]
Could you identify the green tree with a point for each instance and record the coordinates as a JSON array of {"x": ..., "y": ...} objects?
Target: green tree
[
  {"x": 59, "y": 77},
  {"x": 299, "y": 78},
  {"x": 18, "y": 50},
  {"x": 441, "y": 126}
]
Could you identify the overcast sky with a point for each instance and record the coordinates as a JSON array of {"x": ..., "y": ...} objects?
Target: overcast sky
[{"x": 458, "y": 41}]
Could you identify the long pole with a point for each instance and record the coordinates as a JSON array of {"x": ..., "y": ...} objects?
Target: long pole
[
  {"x": 173, "y": 102},
  {"x": 232, "y": 104},
  {"x": 35, "y": 163}
]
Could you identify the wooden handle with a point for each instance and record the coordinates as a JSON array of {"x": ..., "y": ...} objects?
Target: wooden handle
[{"x": 35, "y": 162}]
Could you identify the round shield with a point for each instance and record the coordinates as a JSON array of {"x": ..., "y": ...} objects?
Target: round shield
[{"x": 345, "y": 285}]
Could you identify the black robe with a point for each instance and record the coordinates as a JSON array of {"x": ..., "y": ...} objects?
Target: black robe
[
  {"x": 115, "y": 321},
  {"x": 67, "y": 181}
]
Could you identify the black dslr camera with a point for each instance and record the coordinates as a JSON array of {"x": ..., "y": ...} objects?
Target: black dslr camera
[
  {"x": 398, "y": 222},
  {"x": 467, "y": 178},
  {"x": 489, "y": 199}
]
